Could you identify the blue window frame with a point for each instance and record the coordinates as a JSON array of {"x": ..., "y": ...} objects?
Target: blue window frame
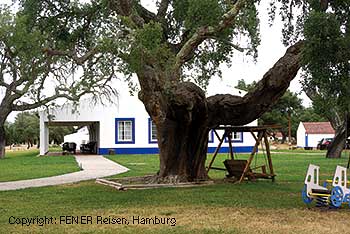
[
  {"x": 152, "y": 132},
  {"x": 236, "y": 137},
  {"x": 125, "y": 130}
]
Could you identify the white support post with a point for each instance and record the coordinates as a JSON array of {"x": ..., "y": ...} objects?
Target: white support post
[{"x": 44, "y": 136}]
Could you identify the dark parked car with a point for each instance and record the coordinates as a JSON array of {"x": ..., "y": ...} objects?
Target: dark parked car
[
  {"x": 88, "y": 148},
  {"x": 324, "y": 143},
  {"x": 69, "y": 147}
]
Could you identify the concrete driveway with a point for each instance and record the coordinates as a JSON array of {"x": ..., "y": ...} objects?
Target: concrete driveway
[{"x": 94, "y": 166}]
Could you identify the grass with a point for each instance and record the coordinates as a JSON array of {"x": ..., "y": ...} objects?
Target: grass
[
  {"x": 20, "y": 165},
  {"x": 260, "y": 207}
]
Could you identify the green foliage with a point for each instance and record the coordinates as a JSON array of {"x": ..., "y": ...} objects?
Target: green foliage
[
  {"x": 57, "y": 133},
  {"x": 148, "y": 45},
  {"x": 26, "y": 128},
  {"x": 197, "y": 13},
  {"x": 127, "y": 46},
  {"x": 324, "y": 26},
  {"x": 326, "y": 58},
  {"x": 310, "y": 114},
  {"x": 10, "y": 133},
  {"x": 242, "y": 85},
  {"x": 288, "y": 105}
]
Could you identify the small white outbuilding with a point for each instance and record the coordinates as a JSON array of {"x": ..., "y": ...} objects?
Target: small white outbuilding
[
  {"x": 80, "y": 137},
  {"x": 310, "y": 133}
]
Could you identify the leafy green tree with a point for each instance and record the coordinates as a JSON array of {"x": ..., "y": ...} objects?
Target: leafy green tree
[
  {"x": 10, "y": 133},
  {"x": 26, "y": 71},
  {"x": 309, "y": 114},
  {"x": 325, "y": 26},
  {"x": 57, "y": 133},
  {"x": 26, "y": 127},
  {"x": 173, "y": 51},
  {"x": 282, "y": 112}
]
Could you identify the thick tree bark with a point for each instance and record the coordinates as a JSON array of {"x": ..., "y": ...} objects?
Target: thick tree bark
[
  {"x": 336, "y": 147},
  {"x": 226, "y": 109},
  {"x": 2, "y": 141},
  {"x": 183, "y": 135},
  {"x": 4, "y": 112},
  {"x": 342, "y": 132},
  {"x": 183, "y": 115}
]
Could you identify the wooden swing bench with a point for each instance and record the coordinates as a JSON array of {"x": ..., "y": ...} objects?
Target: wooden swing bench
[{"x": 241, "y": 169}]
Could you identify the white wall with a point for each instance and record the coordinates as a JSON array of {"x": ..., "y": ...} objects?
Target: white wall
[
  {"x": 315, "y": 138},
  {"x": 301, "y": 135},
  {"x": 126, "y": 106},
  {"x": 312, "y": 139},
  {"x": 80, "y": 137}
]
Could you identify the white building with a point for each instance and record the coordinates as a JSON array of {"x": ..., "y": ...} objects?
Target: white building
[
  {"x": 124, "y": 127},
  {"x": 310, "y": 133},
  {"x": 79, "y": 138}
]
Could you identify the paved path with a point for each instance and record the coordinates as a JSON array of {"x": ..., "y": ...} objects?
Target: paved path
[{"x": 94, "y": 166}]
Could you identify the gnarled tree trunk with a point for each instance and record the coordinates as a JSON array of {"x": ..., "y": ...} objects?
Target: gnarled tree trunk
[
  {"x": 2, "y": 141},
  {"x": 183, "y": 135},
  {"x": 4, "y": 112},
  {"x": 183, "y": 115},
  {"x": 342, "y": 132}
]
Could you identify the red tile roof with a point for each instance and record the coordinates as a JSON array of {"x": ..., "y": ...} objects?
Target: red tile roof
[{"x": 318, "y": 128}]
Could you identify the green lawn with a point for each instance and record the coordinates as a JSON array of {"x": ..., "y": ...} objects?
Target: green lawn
[
  {"x": 20, "y": 165},
  {"x": 251, "y": 207}
]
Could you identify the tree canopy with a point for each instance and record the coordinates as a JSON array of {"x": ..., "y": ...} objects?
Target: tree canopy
[
  {"x": 326, "y": 68},
  {"x": 31, "y": 76},
  {"x": 173, "y": 50}
]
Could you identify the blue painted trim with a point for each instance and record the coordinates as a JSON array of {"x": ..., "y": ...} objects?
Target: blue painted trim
[
  {"x": 237, "y": 141},
  {"x": 306, "y": 140},
  {"x": 237, "y": 149},
  {"x": 211, "y": 133},
  {"x": 133, "y": 130},
  {"x": 150, "y": 141},
  {"x": 104, "y": 151}
]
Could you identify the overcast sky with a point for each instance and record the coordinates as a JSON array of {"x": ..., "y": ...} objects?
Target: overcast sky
[{"x": 243, "y": 67}]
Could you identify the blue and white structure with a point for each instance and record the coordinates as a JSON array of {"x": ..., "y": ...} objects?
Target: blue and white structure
[
  {"x": 124, "y": 126},
  {"x": 310, "y": 133}
]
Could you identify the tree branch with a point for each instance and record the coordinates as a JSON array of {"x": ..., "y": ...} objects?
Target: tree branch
[
  {"x": 163, "y": 7},
  {"x": 203, "y": 33},
  {"x": 72, "y": 54},
  {"x": 132, "y": 9},
  {"x": 144, "y": 13},
  {"x": 226, "y": 109},
  {"x": 121, "y": 7},
  {"x": 30, "y": 106}
]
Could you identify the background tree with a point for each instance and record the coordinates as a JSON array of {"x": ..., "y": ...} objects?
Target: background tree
[
  {"x": 26, "y": 128},
  {"x": 309, "y": 114},
  {"x": 288, "y": 106},
  {"x": 173, "y": 51},
  {"x": 330, "y": 70},
  {"x": 26, "y": 71},
  {"x": 10, "y": 133},
  {"x": 325, "y": 26},
  {"x": 57, "y": 133},
  {"x": 283, "y": 112}
]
